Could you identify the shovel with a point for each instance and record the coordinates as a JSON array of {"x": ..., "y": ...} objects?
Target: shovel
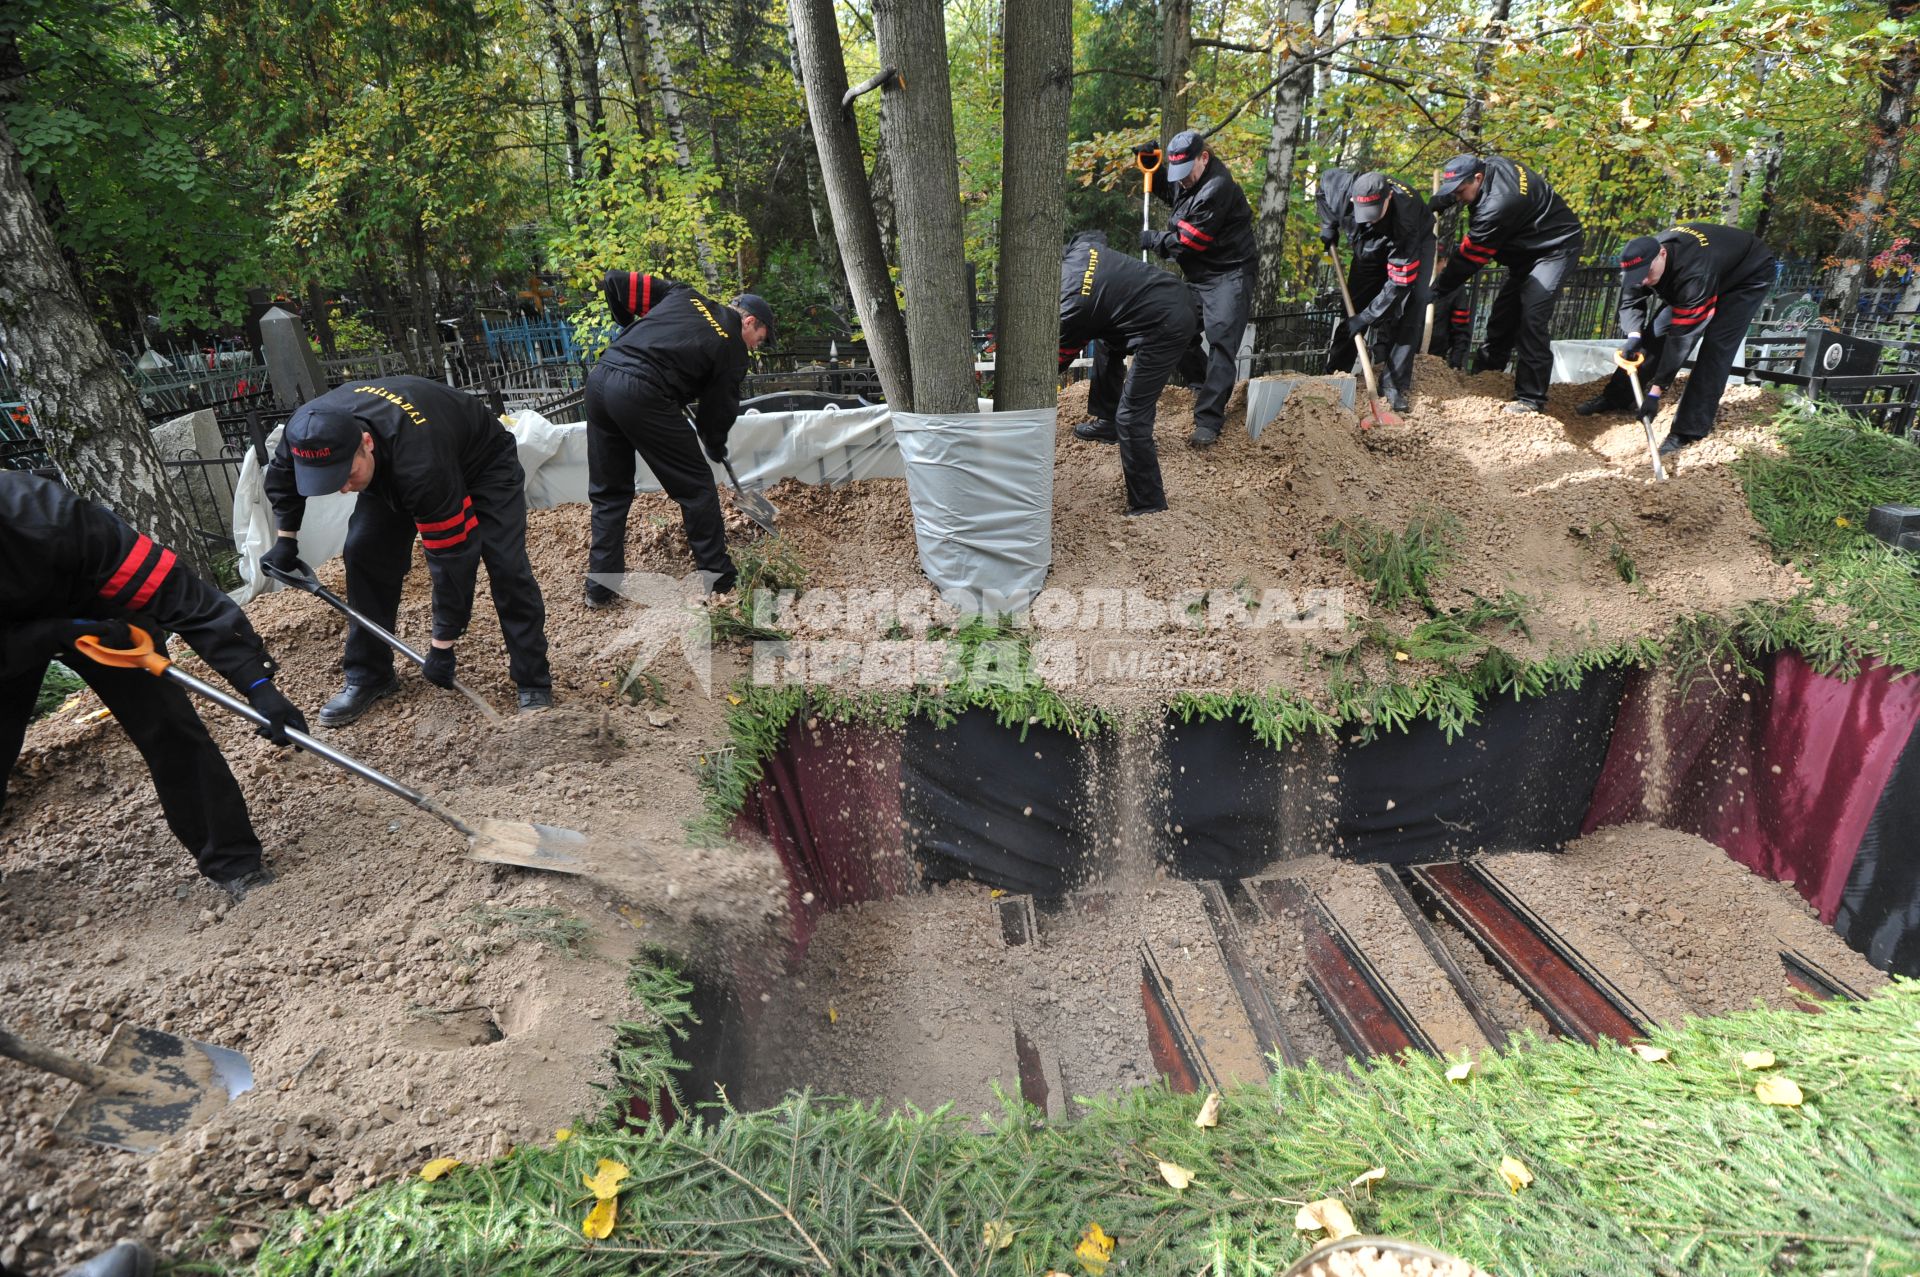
[
  {"x": 1632, "y": 368},
  {"x": 148, "y": 1087},
  {"x": 1146, "y": 191},
  {"x": 752, "y": 504},
  {"x": 1381, "y": 415},
  {"x": 504, "y": 842},
  {"x": 311, "y": 584}
]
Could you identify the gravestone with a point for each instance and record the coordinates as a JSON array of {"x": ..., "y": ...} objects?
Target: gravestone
[{"x": 292, "y": 369}]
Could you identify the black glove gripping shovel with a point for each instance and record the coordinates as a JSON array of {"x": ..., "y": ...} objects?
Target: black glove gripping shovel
[
  {"x": 751, "y": 503},
  {"x": 505, "y": 842},
  {"x": 148, "y": 1087},
  {"x": 311, "y": 584},
  {"x": 1376, "y": 413}
]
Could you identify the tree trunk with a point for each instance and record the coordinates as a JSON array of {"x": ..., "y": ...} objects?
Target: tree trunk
[
  {"x": 676, "y": 125},
  {"x": 1897, "y": 78},
  {"x": 1290, "y": 98},
  {"x": 569, "y": 104},
  {"x": 318, "y": 320},
  {"x": 817, "y": 207},
  {"x": 586, "y": 43},
  {"x": 912, "y": 36},
  {"x": 886, "y": 212},
  {"x": 1038, "y": 87},
  {"x": 1471, "y": 119},
  {"x": 1769, "y": 184},
  {"x": 84, "y": 409},
  {"x": 816, "y": 40},
  {"x": 1176, "y": 55}
]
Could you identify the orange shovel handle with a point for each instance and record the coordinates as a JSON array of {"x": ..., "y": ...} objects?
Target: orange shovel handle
[
  {"x": 1632, "y": 365},
  {"x": 140, "y": 656}
]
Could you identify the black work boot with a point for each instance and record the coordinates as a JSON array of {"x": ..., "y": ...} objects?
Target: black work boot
[
  {"x": 533, "y": 698},
  {"x": 1201, "y": 438},
  {"x": 356, "y": 699},
  {"x": 598, "y": 597},
  {"x": 1525, "y": 405},
  {"x": 1400, "y": 400},
  {"x": 1595, "y": 406},
  {"x": 246, "y": 882},
  {"x": 1097, "y": 432},
  {"x": 1673, "y": 443}
]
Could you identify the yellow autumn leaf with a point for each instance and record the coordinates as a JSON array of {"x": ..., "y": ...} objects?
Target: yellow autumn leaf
[
  {"x": 1209, "y": 1111},
  {"x": 997, "y": 1235},
  {"x": 1398, "y": 655},
  {"x": 1373, "y": 1176},
  {"x": 1515, "y": 1173},
  {"x": 1842, "y": 521},
  {"x": 1176, "y": 1175},
  {"x": 437, "y": 1167},
  {"x": 604, "y": 1183},
  {"x": 733, "y": 700},
  {"x": 1782, "y": 1091},
  {"x": 1651, "y": 1054},
  {"x": 833, "y": 1016},
  {"x": 562, "y": 1135},
  {"x": 1095, "y": 1250},
  {"x": 1329, "y": 1214},
  {"x": 599, "y": 1220},
  {"x": 1757, "y": 1060},
  {"x": 1458, "y": 1073}
]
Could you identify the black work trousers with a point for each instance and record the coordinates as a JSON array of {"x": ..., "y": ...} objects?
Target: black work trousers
[
  {"x": 1395, "y": 340},
  {"x": 1712, "y": 362},
  {"x": 380, "y": 551},
  {"x": 1140, "y": 384},
  {"x": 198, "y": 794},
  {"x": 628, "y": 414},
  {"x": 1452, "y": 328},
  {"x": 1520, "y": 321},
  {"x": 1365, "y": 278},
  {"x": 1221, "y": 306}
]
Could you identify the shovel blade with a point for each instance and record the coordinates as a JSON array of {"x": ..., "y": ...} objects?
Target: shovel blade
[
  {"x": 166, "y": 1085},
  {"x": 757, "y": 508},
  {"x": 517, "y": 842}
]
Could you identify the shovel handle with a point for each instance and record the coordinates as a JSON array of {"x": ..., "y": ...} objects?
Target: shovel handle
[
  {"x": 51, "y": 1061},
  {"x": 1633, "y": 364},
  {"x": 1359, "y": 339},
  {"x": 141, "y": 656}
]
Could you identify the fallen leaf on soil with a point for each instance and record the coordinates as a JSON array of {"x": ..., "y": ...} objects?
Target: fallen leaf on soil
[
  {"x": 1176, "y": 1175},
  {"x": 1515, "y": 1172},
  {"x": 1373, "y": 1176},
  {"x": 437, "y": 1167},
  {"x": 997, "y": 1235},
  {"x": 1330, "y": 1214},
  {"x": 605, "y": 1180},
  {"x": 1209, "y": 1111},
  {"x": 1095, "y": 1250},
  {"x": 1757, "y": 1060},
  {"x": 833, "y": 1016},
  {"x": 1782, "y": 1091},
  {"x": 1458, "y": 1073},
  {"x": 562, "y": 1135},
  {"x": 1651, "y": 1054},
  {"x": 599, "y": 1220}
]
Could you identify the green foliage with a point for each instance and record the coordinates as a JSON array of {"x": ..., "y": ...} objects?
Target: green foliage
[
  {"x": 506, "y": 926},
  {"x": 353, "y": 335},
  {"x": 644, "y": 1064},
  {"x": 56, "y": 685},
  {"x": 765, "y": 568},
  {"x": 1657, "y": 1168},
  {"x": 1401, "y": 565}
]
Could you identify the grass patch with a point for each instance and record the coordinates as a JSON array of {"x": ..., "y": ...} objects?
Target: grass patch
[
  {"x": 768, "y": 566},
  {"x": 1638, "y": 1168},
  {"x": 1400, "y": 566},
  {"x": 505, "y": 927},
  {"x": 56, "y": 685}
]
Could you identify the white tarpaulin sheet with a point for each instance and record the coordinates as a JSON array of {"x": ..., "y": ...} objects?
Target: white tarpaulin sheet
[
  {"x": 981, "y": 485},
  {"x": 1266, "y": 396}
]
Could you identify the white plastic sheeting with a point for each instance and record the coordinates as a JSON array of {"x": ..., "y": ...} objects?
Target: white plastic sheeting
[
  {"x": 981, "y": 485},
  {"x": 1266, "y": 396}
]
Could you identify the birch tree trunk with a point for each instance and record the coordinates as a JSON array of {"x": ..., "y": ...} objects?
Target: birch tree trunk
[
  {"x": 84, "y": 409},
  {"x": 1176, "y": 56},
  {"x": 676, "y": 124},
  {"x": 1898, "y": 76},
  {"x": 816, "y": 43},
  {"x": 919, "y": 139},
  {"x": 1290, "y": 99},
  {"x": 569, "y": 103},
  {"x": 1038, "y": 87}
]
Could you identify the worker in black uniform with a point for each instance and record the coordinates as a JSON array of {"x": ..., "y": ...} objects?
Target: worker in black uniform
[
  {"x": 632, "y": 293},
  {"x": 685, "y": 347},
  {"x": 1514, "y": 218},
  {"x": 1452, "y": 320},
  {"x": 1367, "y": 269},
  {"x": 1210, "y": 235},
  {"x": 1392, "y": 215},
  {"x": 1700, "y": 282},
  {"x": 428, "y": 461},
  {"x": 69, "y": 567},
  {"x": 1125, "y": 307}
]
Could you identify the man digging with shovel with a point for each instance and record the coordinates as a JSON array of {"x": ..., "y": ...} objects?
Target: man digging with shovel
[
  {"x": 70, "y": 568},
  {"x": 428, "y": 461},
  {"x": 1391, "y": 222}
]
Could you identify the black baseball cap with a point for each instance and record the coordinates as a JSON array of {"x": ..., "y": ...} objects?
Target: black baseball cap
[
  {"x": 322, "y": 441},
  {"x": 1458, "y": 170},
  {"x": 1636, "y": 259},
  {"x": 1370, "y": 198},
  {"x": 1183, "y": 152},
  {"x": 756, "y": 305}
]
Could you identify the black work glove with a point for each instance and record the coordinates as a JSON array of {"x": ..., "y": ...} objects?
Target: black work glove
[
  {"x": 1356, "y": 325},
  {"x": 439, "y": 666},
  {"x": 30, "y": 642},
  {"x": 279, "y": 712},
  {"x": 1149, "y": 151},
  {"x": 716, "y": 450},
  {"x": 1150, "y": 242},
  {"x": 1650, "y": 404},
  {"x": 1632, "y": 345},
  {"x": 284, "y": 556},
  {"x": 1328, "y": 239}
]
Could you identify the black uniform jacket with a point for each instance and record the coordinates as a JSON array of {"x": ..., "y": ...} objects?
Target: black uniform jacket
[
  {"x": 1404, "y": 236},
  {"x": 690, "y": 347},
  {"x": 62, "y": 556},
  {"x": 1333, "y": 202},
  {"x": 1112, "y": 296},
  {"x": 1704, "y": 260},
  {"x": 431, "y": 443},
  {"x": 1210, "y": 232},
  {"x": 1517, "y": 215}
]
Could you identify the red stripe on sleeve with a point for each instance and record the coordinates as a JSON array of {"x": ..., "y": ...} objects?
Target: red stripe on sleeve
[
  {"x": 1194, "y": 244},
  {"x": 466, "y": 508},
  {"x": 1695, "y": 310},
  {"x": 633, "y": 289},
  {"x": 441, "y": 543},
  {"x": 1190, "y": 228},
  {"x": 131, "y": 564},
  {"x": 153, "y": 581}
]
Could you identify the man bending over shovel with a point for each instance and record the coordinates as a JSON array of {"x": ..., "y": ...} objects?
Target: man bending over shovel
[
  {"x": 428, "y": 461},
  {"x": 68, "y": 568}
]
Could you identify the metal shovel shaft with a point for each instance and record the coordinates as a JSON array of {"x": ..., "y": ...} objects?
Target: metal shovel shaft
[{"x": 1640, "y": 401}]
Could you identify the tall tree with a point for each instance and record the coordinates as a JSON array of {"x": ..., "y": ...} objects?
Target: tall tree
[
  {"x": 818, "y": 210},
  {"x": 84, "y": 409},
  {"x": 1291, "y": 93},
  {"x": 1176, "y": 57},
  {"x": 1472, "y": 118},
  {"x": 569, "y": 100},
  {"x": 816, "y": 36},
  {"x": 676, "y": 122},
  {"x": 586, "y": 44},
  {"x": 919, "y": 139},
  {"x": 1898, "y": 77},
  {"x": 1033, "y": 201}
]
